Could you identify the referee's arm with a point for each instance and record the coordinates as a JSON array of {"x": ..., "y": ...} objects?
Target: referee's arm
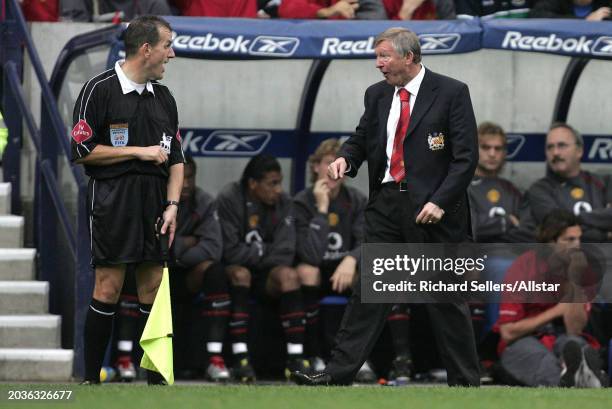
[
  {"x": 103, "y": 155},
  {"x": 175, "y": 185}
]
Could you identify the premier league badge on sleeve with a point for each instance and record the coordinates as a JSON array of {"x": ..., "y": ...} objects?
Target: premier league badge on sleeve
[
  {"x": 165, "y": 143},
  {"x": 119, "y": 134},
  {"x": 436, "y": 141}
]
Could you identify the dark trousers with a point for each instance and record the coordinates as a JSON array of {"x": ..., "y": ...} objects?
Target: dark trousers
[{"x": 389, "y": 218}]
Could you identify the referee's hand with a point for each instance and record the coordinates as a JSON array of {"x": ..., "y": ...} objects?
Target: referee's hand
[
  {"x": 154, "y": 153},
  {"x": 169, "y": 225}
]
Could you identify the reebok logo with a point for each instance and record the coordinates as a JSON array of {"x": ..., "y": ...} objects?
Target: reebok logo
[
  {"x": 236, "y": 143},
  {"x": 439, "y": 43},
  {"x": 274, "y": 46},
  {"x": 211, "y": 43},
  {"x": 601, "y": 149},
  {"x": 335, "y": 46},
  {"x": 515, "y": 40}
]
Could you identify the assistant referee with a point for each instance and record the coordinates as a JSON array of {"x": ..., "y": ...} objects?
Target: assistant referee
[{"x": 126, "y": 135}]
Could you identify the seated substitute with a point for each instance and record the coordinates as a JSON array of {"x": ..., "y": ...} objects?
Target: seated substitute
[
  {"x": 329, "y": 224},
  {"x": 567, "y": 186},
  {"x": 196, "y": 268},
  {"x": 543, "y": 344},
  {"x": 258, "y": 250}
]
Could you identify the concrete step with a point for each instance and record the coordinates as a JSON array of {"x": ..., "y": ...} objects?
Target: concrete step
[
  {"x": 5, "y": 198},
  {"x": 24, "y": 297},
  {"x": 36, "y": 365},
  {"x": 11, "y": 231},
  {"x": 30, "y": 331},
  {"x": 17, "y": 264}
]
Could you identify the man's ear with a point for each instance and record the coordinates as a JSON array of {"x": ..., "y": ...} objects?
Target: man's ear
[
  {"x": 409, "y": 58},
  {"x": 146, "y": 49},
  {"x": 252, "y": 184}
]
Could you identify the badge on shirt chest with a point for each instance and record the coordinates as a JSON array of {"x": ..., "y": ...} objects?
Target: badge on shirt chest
[
  {"x": 493, "y": 195},
  {"x": 436, "y": 141},
  {"x": 119, "y": 134},
  {"x": 253, "y": 221},
  {"x": 577, "y": 193},
  {"x": 165, "y": 143},
  {"x": 333, "y": 219}
]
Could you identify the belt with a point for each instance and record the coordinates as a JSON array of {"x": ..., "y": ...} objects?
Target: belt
[{"x": 401, "y": 186}]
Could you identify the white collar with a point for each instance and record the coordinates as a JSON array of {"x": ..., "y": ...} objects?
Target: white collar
[
  {"x": 126, "y": 84},
  {"x": 414, "y": 84}
]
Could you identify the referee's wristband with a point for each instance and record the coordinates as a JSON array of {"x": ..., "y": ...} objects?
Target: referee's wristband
[{"x": 172, "y": 202}]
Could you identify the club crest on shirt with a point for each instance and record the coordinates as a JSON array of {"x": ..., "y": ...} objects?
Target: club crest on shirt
[
  {"x": 81, "y": 131},
  {"x": 436, "y": 141},
  {"x": 253, "y": 221},
  {"x": 119, "y": 134},
  {"x": 165, "y": 143},
  {"x": 333, "y": 219},
  {"x": 577, "y": 193},
  {"x": 493, "y": 195}
]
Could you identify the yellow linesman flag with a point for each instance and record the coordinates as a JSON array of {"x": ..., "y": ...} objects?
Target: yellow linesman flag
[{"x": 156, "y": 340}]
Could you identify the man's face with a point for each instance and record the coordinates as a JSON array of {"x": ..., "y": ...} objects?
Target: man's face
[
  {"x": 562, "y": 153},
  {"x": 492, "y": 153},
  {"x": 268, "y": 189},
  {"x": 394, "y": 67},
  {"x": 159, "y": 55},
  {"x": 188, "y": 183},
  {"x": 569, "y": 239},
  {"x": 320, "y": 169}
]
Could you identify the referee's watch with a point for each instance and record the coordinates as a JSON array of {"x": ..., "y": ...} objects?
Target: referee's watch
[{"x": 171, "y": 202}]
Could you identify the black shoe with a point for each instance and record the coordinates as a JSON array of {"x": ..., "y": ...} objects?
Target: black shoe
[
  {"x": 571, "y": 357},
  {"x": 590, "y": 374},
  {"x": 315, "y": 379},
  {"x": 243, "y": 371},
  {"x": 300, "y": 365},
  {"x": 401, "y": 370},
  {"x": 155, "y": 378},
  {"x": 87, "y": 382}
]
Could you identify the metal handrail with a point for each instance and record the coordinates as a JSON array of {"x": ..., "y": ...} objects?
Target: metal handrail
[
  {"x": 45, "y": 166},
  {"x": 58, "y": 128}
]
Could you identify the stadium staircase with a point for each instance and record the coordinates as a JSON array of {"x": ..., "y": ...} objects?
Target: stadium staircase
[{"x": 30, "y": 337}]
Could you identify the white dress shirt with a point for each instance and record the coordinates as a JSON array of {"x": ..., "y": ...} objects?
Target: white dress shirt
[{"x": 394, "y": 114}]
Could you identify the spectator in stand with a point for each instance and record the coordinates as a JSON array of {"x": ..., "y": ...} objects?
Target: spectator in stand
[
  {"x": 592, "y": 10},
  {"x": 333, "y": 9},
  {"x": 420, "y": 9},
  {"x": 268, "y": 8},
  {"x": 40, "y": 10},
  {"x": 115, "y": 10},
  {"x": 543, "y": 344},
  {"x": 217, "y": 8},
  {"x": 567, "y": 186},
  {"x": 467, "y": 9}
]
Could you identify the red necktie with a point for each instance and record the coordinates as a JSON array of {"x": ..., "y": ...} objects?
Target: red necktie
[{"x": 397, "y": 170}]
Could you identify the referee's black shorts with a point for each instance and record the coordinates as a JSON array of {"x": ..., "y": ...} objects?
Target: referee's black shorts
[{"x": 122, "y": 215}]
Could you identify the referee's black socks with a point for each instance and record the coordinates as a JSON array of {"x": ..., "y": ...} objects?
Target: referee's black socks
[{"x": 98, "y": 326}]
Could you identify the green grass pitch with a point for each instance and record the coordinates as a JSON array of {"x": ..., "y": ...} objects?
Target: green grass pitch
[{"x": 135, "y": 396}]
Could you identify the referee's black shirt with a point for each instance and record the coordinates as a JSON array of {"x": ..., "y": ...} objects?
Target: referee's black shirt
[{"x": 109, "y": 111}]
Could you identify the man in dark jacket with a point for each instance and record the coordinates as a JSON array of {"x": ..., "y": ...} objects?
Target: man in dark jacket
[
  {"x": 567, "y": 186},
  {"x": 196, "y": 267},
  {"x": 258, "y": 249}
]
